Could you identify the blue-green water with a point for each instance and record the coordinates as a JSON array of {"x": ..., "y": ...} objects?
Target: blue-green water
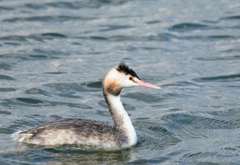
[{"x": 54, "y": 54}]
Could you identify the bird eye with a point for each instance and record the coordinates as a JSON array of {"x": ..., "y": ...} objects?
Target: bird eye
[{"x": 130, "y": 78}]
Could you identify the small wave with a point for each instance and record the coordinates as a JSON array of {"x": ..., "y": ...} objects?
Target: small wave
[
  {"x": 7, "y": 89},
  {"x": 155, "y": 136},
  {"x": 5, "y": 113},
  {"x": 192, "y": 157},
  {"x": 222, "y": 37},
  {"x": 97, "y": 84},
  {"x": 75, "y": 5},
  {"x": 6, "y": 8},
  {"x": 47, "y": 36},
  {"x": 212, "y": 37},
  {"x": 83, "y": 87},
  {"x": 50, "y": 52},
  {"x": 36, "y": 91},
  {"x": 153, "y": 22},
  {"x": 5, "y": 66},
  {"x": 6, "y": 131},
  {"x": 232, "y": 50},
  {"x": 29, "y": 102},
  {"x": 183, "y": 27},
  {"x": 115, "y": 27},
  {"x": 55, "y": 72},
  {"x": 77, "y": 105},
  {"x": 5, "y": 77},
  {"x": 14, "y": 38},
  {"x": 201, "y": 125},
  {"x": 64, "y": 5},
  {"x": 220, "y": 58},
  {"x": 12, "y": 43},
  {"x": 236, "y": 17},
  {"x": 46, "y": 19},
  {"x": 159, "y": 37},
  {"x": 234, "y": 77},
  {"x": 27, "y": 56}
]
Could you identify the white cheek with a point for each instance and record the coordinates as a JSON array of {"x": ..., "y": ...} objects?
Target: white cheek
[{"x": 128, "y": 83}]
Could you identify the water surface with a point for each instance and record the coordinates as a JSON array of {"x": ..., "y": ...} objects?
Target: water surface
[{"x": 55, "y": 53}]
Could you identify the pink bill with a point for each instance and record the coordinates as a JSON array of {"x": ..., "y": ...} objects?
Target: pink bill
[{"x": 147, "y": 85}]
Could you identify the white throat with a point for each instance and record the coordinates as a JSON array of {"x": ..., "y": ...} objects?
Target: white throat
[{"x": 121, "y": 119}]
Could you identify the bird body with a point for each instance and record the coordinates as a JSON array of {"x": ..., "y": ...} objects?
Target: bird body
[{"x": 85, "y": 132}]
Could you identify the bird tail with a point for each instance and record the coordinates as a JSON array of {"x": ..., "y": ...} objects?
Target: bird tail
[{"x": 21, "y": 136}]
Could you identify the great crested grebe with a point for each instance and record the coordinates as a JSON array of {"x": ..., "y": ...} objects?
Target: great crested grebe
[{"x": 93, "y": 133}]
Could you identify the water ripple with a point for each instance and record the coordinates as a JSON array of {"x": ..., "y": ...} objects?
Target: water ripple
[
  {"x": 234, "y": 77},
  {"x": 5, "y": 66},
  {"x": 55, "y": 72},
  {"x": 153, "y": 22},
  {"x": 47, "y": 19},
  {"x": 47, "y": 36},
  {"x": 5, "y": 113},
  {"x": 14, "y": 38},
  {"x": 27, "y": 56},
  {"x": 65, "y": 5},
  {"x": 160, "y": 37},
  {"x": 76, "y": 105},
  {"x": 202, "y": 126},
  {"x": 84, "y": 87},
  {"x": 183, "y": 27},
  {"x": 50, "y": 52},
  {"x": 155, "y": 136},
  {"x": 72, "y": 5},
  {"x": 6, "y": 8},
  {"x": 192, "y": 157},
  {"x": 212, "y": 37},
  {"x": 5, "y": 77},
  {"x": 36, "y": 91},
  {"x": 114, "y": 27},
  {"x": 220, "y": 58},
  {"x": 188, "y": 47},
  {"x": 39, "y": 103},
  {"x": 7, "y": 89},
  {"x": 236, "y": 17}
]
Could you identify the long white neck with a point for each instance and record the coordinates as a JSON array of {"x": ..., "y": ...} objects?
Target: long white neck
[{"x": 122, "y": 122}]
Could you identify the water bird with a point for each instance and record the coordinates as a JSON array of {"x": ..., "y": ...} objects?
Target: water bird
[{"x": 93, "y": 133}]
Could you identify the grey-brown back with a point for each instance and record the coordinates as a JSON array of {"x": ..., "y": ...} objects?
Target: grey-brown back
[{"x": 76, "y": 130}]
